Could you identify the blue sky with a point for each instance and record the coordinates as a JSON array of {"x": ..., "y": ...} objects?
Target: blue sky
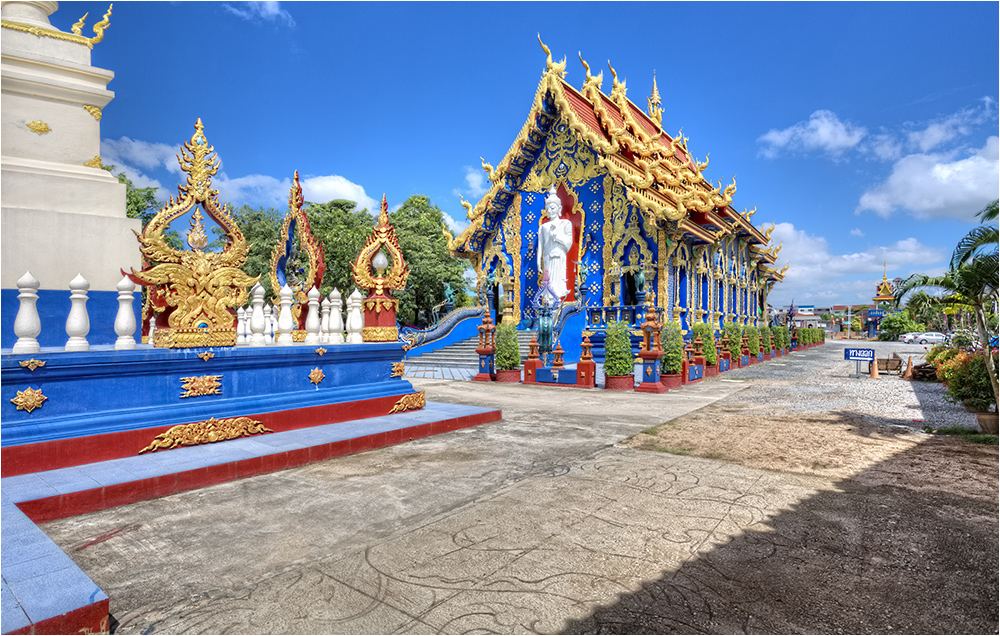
[{"x": 867, "y": 132}]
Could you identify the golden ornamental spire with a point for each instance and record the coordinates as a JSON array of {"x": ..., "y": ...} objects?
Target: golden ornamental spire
[
  {"x": 551, "y": 66},
  {"x": 655, "y": 109},
  {"x": 77, "y": 30}
]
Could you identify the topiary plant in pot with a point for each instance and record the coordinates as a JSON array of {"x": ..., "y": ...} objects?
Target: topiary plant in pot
[
  {"x": 673, "y": 355},
  {"x": 753, "y": 341},
  {"x": 708, "y": 350},
  {"x": 508, "y": 355},
  {"x": 735, "y": 334},
  {"x": 619, "y": 363}
]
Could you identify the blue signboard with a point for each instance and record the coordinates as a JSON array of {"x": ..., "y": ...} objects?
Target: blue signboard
[
  {"x": 864, "y": 355},
  {"x": 876, "y": 313}
]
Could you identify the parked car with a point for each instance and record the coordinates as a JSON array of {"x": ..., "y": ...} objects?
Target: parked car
[
  {"x": 908, "y": 337},
  {"x": 930, "y": 337}
]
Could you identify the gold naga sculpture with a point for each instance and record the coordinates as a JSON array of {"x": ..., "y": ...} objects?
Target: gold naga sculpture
[
  {"x": 193, "y": 292},
  {"x": 285, "y": 250}
]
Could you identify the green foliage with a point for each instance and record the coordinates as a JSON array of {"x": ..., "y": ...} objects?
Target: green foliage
[
  {"x": 342, "y": 229},
  {"x": 140, "y": 203},
  {"x": 856, "y": 325},
  {"x": 673, "y": 348},
  {"x": 707, "y": 335},
  {"x": 781, "y": 339},
  {"x": 968, "y": 380},
  {"x": 260, "y": 228},
  {"x": 734, "y": 332},
  {"x": 967, "y": 434},
  {"x": 899, "y": 323},
  {"x": 753, "y": 339},
  {"x": 618, "y": 358},
  {"x": 418, "y": 225},
  {"x": 508, "y": 355}
]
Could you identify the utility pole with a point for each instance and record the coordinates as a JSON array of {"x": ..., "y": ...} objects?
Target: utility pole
[{"x": 848, "y": 321}]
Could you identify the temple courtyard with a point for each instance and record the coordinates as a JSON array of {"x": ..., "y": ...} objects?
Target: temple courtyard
[{"x": 781, "y": 498}]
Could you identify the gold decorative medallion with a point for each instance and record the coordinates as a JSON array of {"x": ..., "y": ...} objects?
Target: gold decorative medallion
[
  {"x": 32, "y": 364},
  {"x": 205, "y": 355},
  {"x": 29, "y": 399},
  {"x": 94, "y": 111},
  {"x": 397, "y": 369},
  {"x": 316, "y": 375},
  {"x": 321, "y": 351},
  {"x": 211, "y": 430},
  {"x": 196, "y": 386},
  {"x": 411, "y": 402},
  {"x": 379, "y": 334},
  {"x": 94, "y": 163},
  {"x": 39, "y": 126}
]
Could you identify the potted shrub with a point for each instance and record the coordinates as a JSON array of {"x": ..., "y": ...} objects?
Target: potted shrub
[
  {"x": 765, "y": 342},
  {"x": 753, "y": 340},
  {"x": 619, "y": 363},
  {"x": 508, "y": 354},
  {"x": 708, "y": 348},
  {"x": 672, "y": 361},
  {"x": 967, "y": 377},
  {"x": 735, "y": 334}
]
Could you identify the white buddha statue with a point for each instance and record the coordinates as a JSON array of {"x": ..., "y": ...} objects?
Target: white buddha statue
[{"x": 555, "y": 238}]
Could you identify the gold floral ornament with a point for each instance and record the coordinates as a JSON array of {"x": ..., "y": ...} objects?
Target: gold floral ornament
[
  {"x": 410, "y": 402},
  {"x": 211, "y": 430},
  {"x": 297, "y": 224},
  {"x": 39, "y": 127},
  {"x": 206, "y": 355},
  {"x": 196, "y": 386},
  {"x": 398, "y": 368},
  {"x": 29, "y": 399},
  {"x": 316, "y": 375},
  {"x": 32, "y": 364},
  {"x": 196, "y": 289}
]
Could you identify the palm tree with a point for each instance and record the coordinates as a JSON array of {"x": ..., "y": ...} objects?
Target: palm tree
[
  {"x": 922, "y": 307},
  {"x": 972, "y": 285},
  {"x": 979, "y": 240}
]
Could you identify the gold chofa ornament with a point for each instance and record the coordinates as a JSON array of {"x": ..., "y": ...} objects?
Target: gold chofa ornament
[
  {"x": 390, "y": 273},
  {"x": 195, "y": 290}
]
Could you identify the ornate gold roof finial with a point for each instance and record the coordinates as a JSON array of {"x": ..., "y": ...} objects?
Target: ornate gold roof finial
[
  {"x": 383, "y": 215},
  {"x": 594, "y": 81},
  {"x": 549, "y": 64},
  {"x": 77, "y": 30},
  {"x": 655, "y": 109},
  {"x": 617, "y": 88},
  {"x": 467, "y": 206},
  {"x": 78, "y": 27}
]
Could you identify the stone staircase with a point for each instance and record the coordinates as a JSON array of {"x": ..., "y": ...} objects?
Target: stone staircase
[{"x": 463, "y": 353}]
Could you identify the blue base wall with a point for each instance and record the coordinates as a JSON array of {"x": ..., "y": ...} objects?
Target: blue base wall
[
  {"x": 96, "y": 392},
  {"x": 53, "y": 308}
]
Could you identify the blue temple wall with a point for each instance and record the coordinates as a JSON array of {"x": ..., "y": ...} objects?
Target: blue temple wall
[{"x": 53, "y": 308}]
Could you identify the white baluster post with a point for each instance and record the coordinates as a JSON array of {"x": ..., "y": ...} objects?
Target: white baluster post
[
  {"x": 152, "y": 328},
  {"x": 312, "y": 318},
  {"x": 285, "y": 323},
  {"x": 269, "y": 322},
  {"x": 27, "y": 324},
  {"x": 336, "y": 335},
  {"x": 125, "y": 320},
  {"x": 241, "y": 327},
  {"x": 257, "y": 338},
  {"x": 78, "y": 322},
  {"x": 324, "y": 321},
  {"x": 355, "y": 320}
]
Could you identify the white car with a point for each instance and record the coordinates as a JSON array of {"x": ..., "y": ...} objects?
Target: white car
[
  {"x": 908, "y": 337},
  {"x": 929, "y": 337}
]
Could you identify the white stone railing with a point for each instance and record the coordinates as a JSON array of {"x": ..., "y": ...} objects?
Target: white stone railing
[{"x": 256, "y": 326}]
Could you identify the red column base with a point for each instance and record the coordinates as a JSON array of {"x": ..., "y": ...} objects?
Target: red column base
[
  {"x": 530, "y": 367},
  {"x": 586, "y": 374}
]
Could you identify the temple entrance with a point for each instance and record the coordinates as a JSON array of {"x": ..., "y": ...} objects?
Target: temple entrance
[
  {"x": 498, "y": 302},
  {"x": 629, "y": 296}
]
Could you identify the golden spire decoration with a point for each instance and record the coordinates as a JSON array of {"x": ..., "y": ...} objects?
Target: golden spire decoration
[{"x": 655, "y": 109}]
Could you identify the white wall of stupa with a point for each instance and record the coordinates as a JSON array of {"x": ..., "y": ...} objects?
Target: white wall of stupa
[{"x": 61, "y": 214}]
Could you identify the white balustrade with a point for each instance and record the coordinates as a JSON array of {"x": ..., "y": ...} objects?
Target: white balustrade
[
  {"x": 312, "y": 318},
  {"x": 125, "y": 320},
  {"x": 336, "y": 331},
  {"x": 270, "y": 323},
  {"x": 27, "y": 324},
  {"x": 324, "y": 321},
  {"x": 78, "y": 322},
  {"x": 257, "y": 322},
  {"x": 355, "y": 320},
  {"x": 285, "y": 322},
  {"x": 152, "y": 328},
  {"x": 241, "y": 328}
]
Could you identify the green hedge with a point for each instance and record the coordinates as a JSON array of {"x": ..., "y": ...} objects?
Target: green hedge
[
  {"x": 753, "y": 339},
  {"x": 618, "y": 358},
  {"x": 707, "y": 335},
  {"x": 765, "y": 338},
  {"x": 673, "y": 348},
  {"x": 735, "y": 334}
]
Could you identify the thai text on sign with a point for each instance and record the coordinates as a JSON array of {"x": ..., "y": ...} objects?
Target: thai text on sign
[{"x": 859, "y": 354}]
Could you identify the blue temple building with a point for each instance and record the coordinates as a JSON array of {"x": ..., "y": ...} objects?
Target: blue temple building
[{"x": 646, "y": 224}]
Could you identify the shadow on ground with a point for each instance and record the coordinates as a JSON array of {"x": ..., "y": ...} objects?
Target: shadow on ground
[{"x": 871, "y": 556}]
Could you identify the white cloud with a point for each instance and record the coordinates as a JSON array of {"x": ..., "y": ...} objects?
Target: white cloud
[
  {"x": 320, "y": 189},
  {"x": 941, "y": 131},
  {"x": 475, "y": 185},
  {"x": 884, "y": 146},
  {"x": 937, "y": 185},
  {"x": 260, "y": 12},
  {"x": 818, "y": 276},
  {"x": 252, "y": 190},
  {"x": 857, "y": 232},
  {"x": 823, "y": 132}
]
